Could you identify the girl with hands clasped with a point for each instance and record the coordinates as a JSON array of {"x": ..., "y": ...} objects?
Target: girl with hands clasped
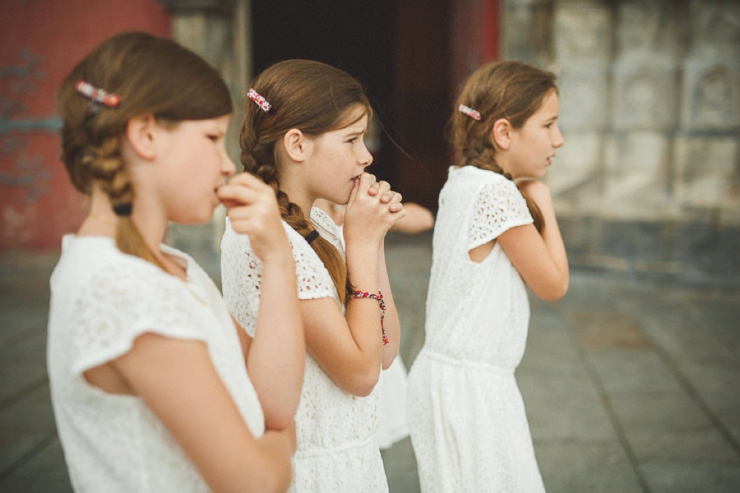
[
  {"x": 154, "y": 386},
  {"x": 495, "y": 234},
  {"x": 303, "y": 135}
]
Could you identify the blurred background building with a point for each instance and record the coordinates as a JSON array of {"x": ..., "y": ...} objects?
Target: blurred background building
[{"x": 647, "y": 184}]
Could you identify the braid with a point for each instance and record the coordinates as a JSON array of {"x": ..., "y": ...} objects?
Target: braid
[{"x": 258, "y": 158}]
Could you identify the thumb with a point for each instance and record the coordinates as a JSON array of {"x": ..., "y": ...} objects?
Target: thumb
[{"x": 353, "y": 193}]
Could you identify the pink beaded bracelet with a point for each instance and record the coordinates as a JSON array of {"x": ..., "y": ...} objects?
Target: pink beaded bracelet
[{"x": 379, "y": 298}]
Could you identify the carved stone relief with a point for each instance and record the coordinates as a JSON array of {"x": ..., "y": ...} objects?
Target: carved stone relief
[
  {"x": 711, "y": 99},
  {"x": 645, "y": 96},
  {"x": 636, "y": 183},
  {"x": 584, "y": 98},
  {"x": 582, "y": 32},
  {"x": 705, "y": 171}
]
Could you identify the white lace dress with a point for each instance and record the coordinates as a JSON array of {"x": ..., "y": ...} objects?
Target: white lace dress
[
  {"x": 337, "y": 448},
  {"x": 468, "y": 424},
  {"x": 101, "y": 301}
]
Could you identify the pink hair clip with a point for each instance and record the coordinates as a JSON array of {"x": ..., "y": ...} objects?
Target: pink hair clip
[
  {"x": 97, "y": 95},
  {"x": 259, "y": 100},
  {"x": 465, "y": 110}
]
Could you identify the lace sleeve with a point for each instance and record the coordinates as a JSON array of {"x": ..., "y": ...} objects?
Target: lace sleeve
[
  {"x": 122, "y": 302},
  {"x": 241, "y": 276},
  {"x": 498, "y": 207}
]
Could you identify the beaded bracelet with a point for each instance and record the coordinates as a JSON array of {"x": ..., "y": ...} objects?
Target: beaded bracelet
[{"x": 379, "y": 298}]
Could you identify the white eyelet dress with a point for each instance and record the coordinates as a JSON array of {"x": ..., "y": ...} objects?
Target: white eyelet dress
[
  {"x": 101, "y": 301},
  {"x": 337, "y": 448},
  {"x": 468, "y": 424}
]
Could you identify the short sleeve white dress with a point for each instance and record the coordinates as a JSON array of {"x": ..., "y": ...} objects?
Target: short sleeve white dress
[
  {"x": 468, "y": 424},
  {"x": 337, "y": 447},
  {"x": 101, "y": 301}
]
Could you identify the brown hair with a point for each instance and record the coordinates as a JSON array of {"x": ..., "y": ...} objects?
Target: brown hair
[
  {"x": 507, "y": 89},
  {"x": 150, "y": 75},
  {"x": 314, "y": 98}
]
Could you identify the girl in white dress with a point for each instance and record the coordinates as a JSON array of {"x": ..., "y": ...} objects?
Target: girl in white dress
[
  {"x": 495, "y": 234},
  {"x": 154, "y": 387},
  {"x": 303, "y": 135}
]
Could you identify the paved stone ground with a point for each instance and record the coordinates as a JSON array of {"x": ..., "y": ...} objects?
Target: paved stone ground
[{"x": 630, "y": 386}]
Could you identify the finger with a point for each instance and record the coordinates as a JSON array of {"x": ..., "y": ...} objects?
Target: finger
[
  {"x": 374, "y": 189},
  {"x": 353, "y": 193}
]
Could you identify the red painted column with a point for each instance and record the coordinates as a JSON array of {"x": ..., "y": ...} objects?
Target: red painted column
[
  {"x": 475, "y": 37},
  {"x": 41, "y": 42}
]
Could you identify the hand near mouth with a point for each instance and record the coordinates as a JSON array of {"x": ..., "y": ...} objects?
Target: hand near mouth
[{"x": 253, "y": 210}]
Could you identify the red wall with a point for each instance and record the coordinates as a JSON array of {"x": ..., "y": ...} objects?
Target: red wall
[{"x": 41, "y": 41}]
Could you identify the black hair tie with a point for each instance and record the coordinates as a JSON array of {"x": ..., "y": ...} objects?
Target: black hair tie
[
  {"x": 312, "y": 236},
  {"x": 123, "y": 210}
]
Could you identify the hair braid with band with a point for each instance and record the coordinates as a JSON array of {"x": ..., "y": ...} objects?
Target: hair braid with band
[
  {"x": 314, "y": 98},
  {"x": 145, "y": 74}
]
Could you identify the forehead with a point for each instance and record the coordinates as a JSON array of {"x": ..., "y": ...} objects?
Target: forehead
[{"x": 550, "y": 105}]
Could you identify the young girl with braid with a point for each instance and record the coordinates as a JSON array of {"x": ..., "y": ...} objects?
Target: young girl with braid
[
  {"x": 303, "y": 135},
  {"x": 154, "y": 386},
  {"x": 495, "y": 234}
]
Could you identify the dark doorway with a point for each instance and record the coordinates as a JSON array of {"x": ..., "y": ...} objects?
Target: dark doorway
[{"x": 398, "y": 50}]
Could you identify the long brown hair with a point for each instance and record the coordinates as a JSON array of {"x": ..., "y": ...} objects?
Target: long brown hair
[
  {"x": 507, "y": 89},
  {"x": 150, "y": 75},
  {"x": 314, "y": 98}
]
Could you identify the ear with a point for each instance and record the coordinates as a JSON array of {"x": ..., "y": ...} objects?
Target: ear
[
  {"x": 141, "y": 133},
  {"x": 501, "y": 134},
  {"x": 297, "y": 146}
]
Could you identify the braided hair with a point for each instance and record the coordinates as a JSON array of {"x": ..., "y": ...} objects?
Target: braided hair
[
  {"x": 148, "y": 74},
  {"x": 314, "y": 98},
  {"x": 507, "y": 89}
]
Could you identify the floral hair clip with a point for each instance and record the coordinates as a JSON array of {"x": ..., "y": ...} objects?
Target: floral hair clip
[
  {"x": 259, "y": 100},
  {"x": 465, "y": 110},
  {"x": 97, "y": 95}
]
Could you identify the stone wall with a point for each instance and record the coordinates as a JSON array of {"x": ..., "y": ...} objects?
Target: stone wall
[{"x": 649, "y": 179}]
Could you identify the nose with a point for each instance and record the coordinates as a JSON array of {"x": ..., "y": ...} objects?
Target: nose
[
  {"x": 365, "y": 157},
  {"x": 557, "y": 140},
  {"x": 227, "y": 165}
]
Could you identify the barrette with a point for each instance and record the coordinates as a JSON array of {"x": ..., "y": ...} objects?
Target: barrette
[
  {"x": 468, "y": 111},
  {"x": 259, "y": 100},
  {"x": 97, "y": 95}
]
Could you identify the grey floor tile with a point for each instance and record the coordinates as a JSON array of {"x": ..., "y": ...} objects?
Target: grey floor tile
[
  {"x": 586, "y": 468},
  {"x": 24, "y": 424},
  {"x": 550, "y": 353},
  {"x": 400, "y": 467},
  {"x": 718, "y": 387},
  {"x": 690, "y": 446},
  {"x": 22, "y": 365},
  {"x": 641, "y": 372},
  {"x": 44, "y": 473},
  {"x": 692, "y": 478},
  {"x": 564, "y": 408},
  {"x": 658, "y": 412}
]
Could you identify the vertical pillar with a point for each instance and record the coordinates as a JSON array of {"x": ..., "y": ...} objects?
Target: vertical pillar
[{"x": 219, "y": 31}]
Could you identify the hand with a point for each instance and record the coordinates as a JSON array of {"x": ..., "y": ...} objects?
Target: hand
[
  {"x": 383, "y": 189},
  {"x": 537, "y": 191},
  {"x": 253, "y": 210},
  {"x": 369, "y": 215}
]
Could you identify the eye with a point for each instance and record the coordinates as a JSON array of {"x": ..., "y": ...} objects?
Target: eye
[
  {"x": 214, "y": 138},
  {"x": 352, "y": 140}
]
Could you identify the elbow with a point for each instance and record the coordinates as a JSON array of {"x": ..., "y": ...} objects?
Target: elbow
[
  {"x": 275, "y": 479},
  {"x": 554, "y": 292},
  {"x": 279, "y": 421},
  {"x": 362, "y": 383}
]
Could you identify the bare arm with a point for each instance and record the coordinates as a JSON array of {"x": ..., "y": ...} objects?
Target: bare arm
[
  {"x": 275, "y": 358},
  {"x": 540, "y": 259},
  {"x": 350, "y": 348},
  {"x": 392, "y": 322},
  {"x": 177, "y": 381}
]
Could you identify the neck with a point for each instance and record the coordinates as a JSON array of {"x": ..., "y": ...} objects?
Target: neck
[{"x": 299, "y": 196}]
